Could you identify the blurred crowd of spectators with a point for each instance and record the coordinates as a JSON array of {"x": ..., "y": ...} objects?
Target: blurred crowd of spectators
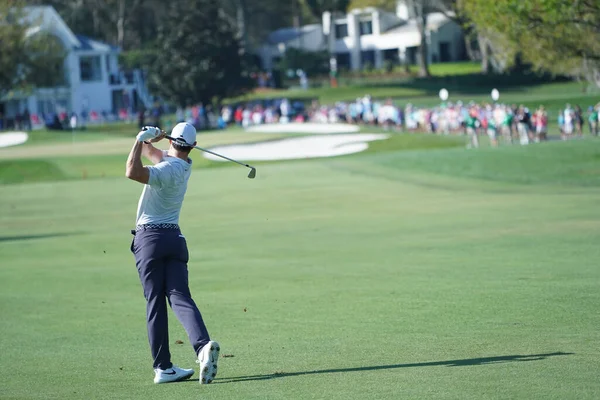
[
  {"x": 63, "y": 120},
  {"x": 509, "y": 123},
  {"x": 21, "y": 121},
  {"x": 501, "y": 122}
]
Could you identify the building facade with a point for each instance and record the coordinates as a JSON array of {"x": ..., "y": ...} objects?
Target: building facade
[
  {"x": 94, "y": 83},
  {"x": 368, "y": 37}
]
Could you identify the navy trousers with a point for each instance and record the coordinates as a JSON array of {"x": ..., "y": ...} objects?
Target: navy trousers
[{"x": 161, "y": 257}]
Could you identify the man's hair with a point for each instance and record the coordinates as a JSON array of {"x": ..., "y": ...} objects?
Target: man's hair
[{"x": 183, "y": 149}]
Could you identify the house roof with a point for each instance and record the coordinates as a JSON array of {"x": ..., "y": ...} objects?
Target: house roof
[
  {"x": 86, "y": 43},
  {"x": 45, "y": 18},
  {"x": 285, "y": 35}
]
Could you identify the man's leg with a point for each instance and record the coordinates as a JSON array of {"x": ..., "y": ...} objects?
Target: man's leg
[
  {"x": 183, "y": 305},
  {"x": 180, "y": 298},
  {"x": 151, "y": 270}
]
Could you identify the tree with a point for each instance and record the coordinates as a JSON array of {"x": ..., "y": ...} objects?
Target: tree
[
  {"x": 311, "y": 62},
  {"x": 255, "y": 19},
  {"x": 27, "y": 59},
  {"x": 198, "y": 57},
  {"x": 420, "y": 9},
  {"x": 125, "y": 23},
  {"x": 558, "y": 36},
  {"x": 318, "y": 7}
]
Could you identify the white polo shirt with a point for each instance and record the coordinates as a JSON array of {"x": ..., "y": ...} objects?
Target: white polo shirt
[{"x": 162, "y": 197}]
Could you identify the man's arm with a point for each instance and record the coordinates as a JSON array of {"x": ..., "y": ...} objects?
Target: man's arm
[
  {"x": 152, "y": 153},
  {"x": 134, "y": 168}
]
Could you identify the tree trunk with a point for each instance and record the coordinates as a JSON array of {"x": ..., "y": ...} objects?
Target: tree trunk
[
  {"x": 484, "y": 50},
  {"x": 472, "y": 53},
  {"x": 298, "y": 20},
  {"x": 421, "y": 17},
  {"x": 242, "y": 14},
  {"x": 96, "y": 21},
  {"x": 121, "y": 24}
]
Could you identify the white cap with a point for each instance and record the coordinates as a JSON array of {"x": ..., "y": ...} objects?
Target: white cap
[{"x": 184, "y": 134}]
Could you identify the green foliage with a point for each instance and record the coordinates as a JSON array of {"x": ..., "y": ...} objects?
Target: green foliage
[
  {"x": 26, "y": 61},
  {"x": 388, "y": 66},
  {"x": 129, "y": 24},
  {"x": 133, "y": 24},
  {"x": 257, "y": 18},
  {"x": 388, "y": 5},
  {"x": 312, "y": 63},
  {"x": 45, "y": 61},
  {"x": 199, "y": 57},
  {"x": 11, "y": 47},
  {"x": 137, "y": 58},
  {"x": 560, "y": 36}
]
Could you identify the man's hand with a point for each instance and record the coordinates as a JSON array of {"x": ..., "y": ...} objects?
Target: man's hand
[
  {"x": 148, "y": 133},
  {"x": 160, "y": 137}
]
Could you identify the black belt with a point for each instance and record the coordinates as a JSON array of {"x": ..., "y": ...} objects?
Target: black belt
[{"x": 154, "y": 226}]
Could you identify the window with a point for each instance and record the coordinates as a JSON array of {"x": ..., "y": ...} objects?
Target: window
[
  {"x": 343, "y": 60},
  {"x": 341, "y": 31},
  {"x": 391, "y": 55},
  {"x": 411, "y": 55},
  {"x": 445, "y": 52},
  {"x": 367, "y": 58},
  {"x": 366, "y": 28},
  {"x": 90, "y": 68}
]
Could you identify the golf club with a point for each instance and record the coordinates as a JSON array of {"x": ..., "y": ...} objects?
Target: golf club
[{"x": 252, "y": 173}]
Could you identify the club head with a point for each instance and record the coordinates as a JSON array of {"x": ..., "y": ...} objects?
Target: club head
[{"x": 252, "y": 173}]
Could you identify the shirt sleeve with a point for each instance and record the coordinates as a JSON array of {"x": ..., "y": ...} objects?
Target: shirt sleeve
[{"x": 161, "y": 174}]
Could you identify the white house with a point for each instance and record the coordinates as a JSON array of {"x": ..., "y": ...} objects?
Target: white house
[
  {"x": 372, "y": 36},
  {"x": 94, "y": 82}
]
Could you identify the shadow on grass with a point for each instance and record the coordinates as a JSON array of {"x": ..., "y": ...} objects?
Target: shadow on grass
[
  {"x": 448, "y": 363},
  {"x": 31, "y": 237}
]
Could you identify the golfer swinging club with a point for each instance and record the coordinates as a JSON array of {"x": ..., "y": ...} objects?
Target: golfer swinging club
[{"x": 161, "y": 253}]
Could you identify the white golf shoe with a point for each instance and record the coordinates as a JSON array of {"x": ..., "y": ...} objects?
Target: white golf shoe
[
  {"x": 173, "y": 374},
  {"x": 208, "y": 358}
]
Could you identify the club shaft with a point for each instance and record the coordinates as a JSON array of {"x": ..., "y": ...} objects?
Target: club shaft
[
  {"x": 215, "y": 154},
  {"x": 222, "y": 156}
]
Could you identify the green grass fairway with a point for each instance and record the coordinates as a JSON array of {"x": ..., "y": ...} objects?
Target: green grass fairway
[{"x": 400, "y": 273}]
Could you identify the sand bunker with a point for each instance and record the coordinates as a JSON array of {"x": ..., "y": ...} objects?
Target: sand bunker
[
  {"x": 311, "y": 128},
  {"x": 12, "y": 138},
  {"x": 296, "y": 148}
]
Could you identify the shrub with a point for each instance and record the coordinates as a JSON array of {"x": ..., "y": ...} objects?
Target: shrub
[{"x": 311, "y": 62}]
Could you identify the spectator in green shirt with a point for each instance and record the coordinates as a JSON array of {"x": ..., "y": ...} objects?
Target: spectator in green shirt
[
  {"x": 593, "y": 120},
  {"x": 471, "y": 124}
]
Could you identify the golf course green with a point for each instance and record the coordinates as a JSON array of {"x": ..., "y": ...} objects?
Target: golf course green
[{"x": 415, "y": 270}]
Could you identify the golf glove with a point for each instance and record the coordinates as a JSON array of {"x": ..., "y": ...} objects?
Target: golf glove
[{"x": 148, "y": 133}]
